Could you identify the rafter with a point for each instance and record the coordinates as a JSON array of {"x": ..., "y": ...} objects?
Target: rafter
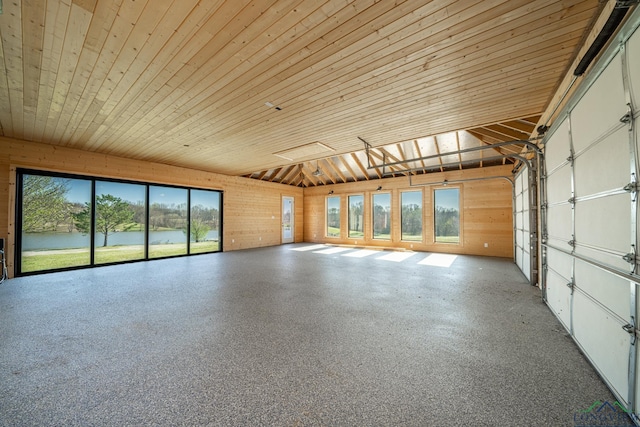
[{"x": 337, "y": 171}]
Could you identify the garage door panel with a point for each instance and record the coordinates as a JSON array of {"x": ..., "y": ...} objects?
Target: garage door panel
[
  {"x": 519, "y": 183},
  {"x": 559, "y": 185},
  {"x": 556, "y": 150},
  {"x": 519, "y": 220},
  {"x": 610, "y": 155},
  {"x": 519, "y": 238},
  {"x": 559, "y": 224},
  {"x": 559, "y": 297},
  {"x": 633, "y": 59},
  {"x": 526, "y": 261},
  {"x": 603, "y": 339},
  {"x": 610, "y": 290},
  {"x": 561, "y": 263},
  {"x": 604, "y": 100},
  {"x": 604, "y": 222},
  {"x": 519, "y": 256}
]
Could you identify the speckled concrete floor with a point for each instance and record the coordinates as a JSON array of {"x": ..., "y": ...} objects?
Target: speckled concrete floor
[{"x": 287, "y": 336}]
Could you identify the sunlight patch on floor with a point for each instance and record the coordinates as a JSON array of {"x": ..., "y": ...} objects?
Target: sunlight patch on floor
[
  {"x": 396, "y": 256},
  {"x": 330, "y": 251},
  {"x": 308, "y": 248},
  {"x": 361, "y": 253},
  {"x": 439, "y": 260}
]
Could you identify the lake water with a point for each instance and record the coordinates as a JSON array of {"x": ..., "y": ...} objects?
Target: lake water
[{"x": 38, "y": 241}]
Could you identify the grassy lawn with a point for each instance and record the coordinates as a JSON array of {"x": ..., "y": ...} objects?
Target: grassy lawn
[
  {"x": 412, "y": 237},
  {"x": 333, "y": 232},
  {"x": 355, "y": 233},
  {"x": 65, "y": 258},
  {"x": 448, "y": 239}
]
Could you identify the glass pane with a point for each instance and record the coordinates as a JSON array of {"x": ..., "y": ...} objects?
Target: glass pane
[
  {"x": 167, "y": 221},
  {"x": 447, "y": 215},
  {"x": 356, "y": 211},
  {"x": 287, "y": 228},
  {"x": 411, "y": 202},
  {"x": 205, "y": 221},
  {"x": 120, "y": 215},
  {"x": 382, "y": 216},
  {"x": 333, "y": 216},
  {"x": 56, "y": 223}
]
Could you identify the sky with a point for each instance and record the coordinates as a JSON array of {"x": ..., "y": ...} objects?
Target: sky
[
  {"x": 80, "y": 192},
  {"x": 448, "y": 198}
]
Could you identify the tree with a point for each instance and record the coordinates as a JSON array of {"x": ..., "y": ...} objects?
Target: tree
[
  {"x": 44, "y": 203},
  {"x": 199, "y": 229},
  {"x": 111, "y": 211}
]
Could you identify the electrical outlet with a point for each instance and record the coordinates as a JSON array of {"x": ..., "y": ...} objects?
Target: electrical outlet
[
  {"x": 233, "y": 240},
  {"x": 260, "y": 239},
  {"x": 486, "y": 245}
]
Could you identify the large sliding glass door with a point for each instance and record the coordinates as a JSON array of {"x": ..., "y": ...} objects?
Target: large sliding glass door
[
  {"x": 47, "y": 216},
  {"x": 66, "y": 221},
  {"x": 167, "y": 221},
  {"x": 120, "y": 218},
  {"x": 204, "y": 222}
]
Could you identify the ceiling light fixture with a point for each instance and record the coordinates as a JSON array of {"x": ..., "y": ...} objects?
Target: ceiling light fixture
[{"x": 317, "y": 172}]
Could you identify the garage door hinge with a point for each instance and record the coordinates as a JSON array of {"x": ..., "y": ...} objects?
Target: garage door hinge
[
  {"x": 631, "y": 258},
  {"x": 632, "y": 187},
  {"x": 572, "y": 200},
  {"x": 570, "y": 159},
  {"x": 572, "y": 243},
  {"x": 571, "y": 285},
  {"x": 630, "y": 328}
]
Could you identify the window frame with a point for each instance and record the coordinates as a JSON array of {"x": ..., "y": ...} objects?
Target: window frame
[
  {"x": 19, "y": 179},
  {"x": 326, "y": 221},
  {"x": 435, "y": 217},
  {"x": 422, "y": 217},
  {"x": 373, "y": 215}
]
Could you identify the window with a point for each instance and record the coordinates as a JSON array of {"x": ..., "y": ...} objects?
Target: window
[
  {"x": 167, "y": 221},
  {"x": 333, "y": 216},
  {"x": 447, "y": 215},
  {"x": 382, "y": 216},
  {"x": 66, "y": 221},
  {"x": 48, "y": 210},
  {"x": 120, "y": 218},
  {"x": 356, "y": 211},
  {"x": 411, "y": 221},
  {"x": 204, "y": 222}
]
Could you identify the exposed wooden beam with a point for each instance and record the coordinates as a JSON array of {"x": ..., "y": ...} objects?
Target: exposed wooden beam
[
  {"x": 335, "y": 169},
  {"x": 358, "y": 163},
  {"x": 345, "y": 162},
  {"x": 435, "y": 142},
  {"x": 458, "y": 145}
]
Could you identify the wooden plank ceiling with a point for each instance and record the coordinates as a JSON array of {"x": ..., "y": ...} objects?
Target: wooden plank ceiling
[{"x": 282, "y": 86}]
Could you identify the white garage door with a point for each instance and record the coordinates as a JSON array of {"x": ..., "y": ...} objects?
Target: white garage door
[
  {"x": 521, "y": 224},
  {"x": 590, "y": 235}
]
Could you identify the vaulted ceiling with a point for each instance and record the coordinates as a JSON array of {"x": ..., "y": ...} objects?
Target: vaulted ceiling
[{"x": 260, "y": 88}]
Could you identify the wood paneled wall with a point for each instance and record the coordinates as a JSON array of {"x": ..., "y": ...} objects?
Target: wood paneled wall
[
  {"x": 486, "y": 215},
  {"x": 252, "y": 209}
]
